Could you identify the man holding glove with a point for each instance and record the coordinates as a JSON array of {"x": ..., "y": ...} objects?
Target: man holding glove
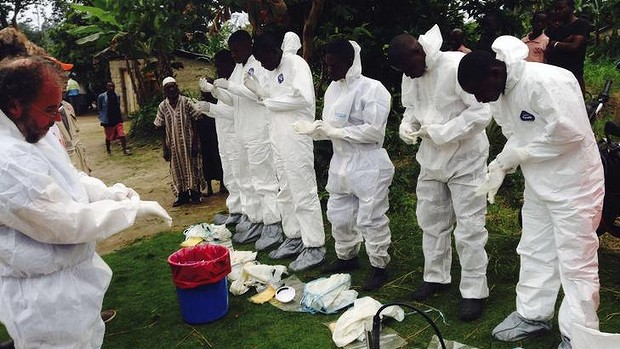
[
  {"x": 360, "y": 172},
  {"x": 288, "y": 94},
  {"x": 52, "y": 281},
  {"x": 452, "y": 156},
  {"x": 542, "y": 113}
]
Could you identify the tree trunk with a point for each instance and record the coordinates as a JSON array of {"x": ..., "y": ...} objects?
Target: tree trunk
[{"x": 309, "y": 27}]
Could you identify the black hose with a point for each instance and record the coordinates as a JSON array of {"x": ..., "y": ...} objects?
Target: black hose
[{"x": 376, "y": 324}]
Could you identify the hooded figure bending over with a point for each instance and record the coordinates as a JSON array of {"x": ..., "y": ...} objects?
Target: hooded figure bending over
[
  {"x": 452, "y": 156},
  {"x": 542, "y": 113}
]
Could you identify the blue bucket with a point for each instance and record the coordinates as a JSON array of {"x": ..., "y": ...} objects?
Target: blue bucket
[{"x": 204, "y": 303}]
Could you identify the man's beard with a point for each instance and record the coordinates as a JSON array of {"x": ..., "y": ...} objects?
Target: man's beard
[{"x": 28, "y": 127}]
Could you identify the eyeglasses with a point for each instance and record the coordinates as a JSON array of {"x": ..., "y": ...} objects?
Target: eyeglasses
[{"x": 53, "y": 114}]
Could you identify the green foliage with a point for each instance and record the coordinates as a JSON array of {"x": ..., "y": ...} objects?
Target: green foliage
[
  {"x": 212, "y": 43},
  {"x": 142, "y": 127}
]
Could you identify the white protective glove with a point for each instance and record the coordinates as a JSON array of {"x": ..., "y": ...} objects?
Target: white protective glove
[
  {"x": 510, "y": 158},
  {"x": 251, "y": 82},
  {"x": 205, "y": 86},
  {"x": 203, "y": 106},
  {"x": 153, "y": 208},
  {"x": 422, "y": 132},
  {"x": 405, "y": 132},
  {"x": 493, "y": 180},
  {"x": 221, "y": 83},
  {"x": 304, "y": 127},
  {"x": 118, "y": 192},
  {"x": 329, "y": 130}
]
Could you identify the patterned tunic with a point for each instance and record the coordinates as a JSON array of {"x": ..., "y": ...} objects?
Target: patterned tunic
[{"x": 183, "y": 143}]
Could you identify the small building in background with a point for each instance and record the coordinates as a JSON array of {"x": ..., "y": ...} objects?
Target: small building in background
[{"x": 194, "y": 66}]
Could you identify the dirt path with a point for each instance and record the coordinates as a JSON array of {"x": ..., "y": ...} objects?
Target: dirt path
[{"x": 146, "y": 172}]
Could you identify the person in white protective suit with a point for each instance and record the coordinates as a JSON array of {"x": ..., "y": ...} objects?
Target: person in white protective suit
[
  {"x": 452, "y": 157},
  {"x": 228, "y": 142},
  {"x": 52, "y": 281},
  {"x": 542, "y": 113},
  {"x": 355, "y": 115},
  {"x": 287, "y": 92},
  {"x": 257, "y": 175}
]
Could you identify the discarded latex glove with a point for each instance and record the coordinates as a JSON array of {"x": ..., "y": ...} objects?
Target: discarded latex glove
[
  {"x": 205, "y": 85},
  {"x": 118, "y": 192},
  {"x": 493, "y": 180},
  {"x": 305, "y": 127},
  {"x": 510, "y": 158},
  {"x": 329, "y": 130},
  {"x": 405, "y": 132},
  {"x": 251, "y": 82},
  {"x": 153, "y": 208},
  {"x": 221, "y": 83}
]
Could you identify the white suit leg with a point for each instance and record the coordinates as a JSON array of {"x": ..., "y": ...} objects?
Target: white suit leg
[
  {"x": 470, "y": 235},
  {"x": 248, "y": 196},
  {"x": 53, "y": 297},
  {"x": 299, "y": 178},
  {"x": 290, "y": 223},
  {"x": 436, "y": 218},
  {"x": 229, "y": 154},
  {"x": 577, "y": 244},
  {"x": 539, "y": 279},
  {"x": 372, "y": 188},
  {"x": 263, "y": 178},
  {"x": 342, "y": 213}
]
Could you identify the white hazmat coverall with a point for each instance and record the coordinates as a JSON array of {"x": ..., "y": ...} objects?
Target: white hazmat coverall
[
  {"x": 360, "y": 171},
  {"x": 229, "y": 148},
  {"x": 542, "y": 114},
  {"x": 291, "y": 98},
  {"x": 452, "y": 165},
  {"x": 259, "y": 185},
  {"x": 52, "y": 281}
]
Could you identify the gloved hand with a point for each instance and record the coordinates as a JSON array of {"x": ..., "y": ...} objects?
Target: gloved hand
[
  {"x": 118, "y": 192},
  {"x": 493, "y": 180},
  {"x": 329, "y": 130},
  {"x": 422, "y": 132},
  {"x": 510, "y": 158},
  {"x": 221, "y": 83},
  {"x": 251, "y": 82},
  {"x": 203, "y": 106},
  {"x": 153, "y": 208},
  {"x": 305, "y": 127},
  {"x": 405, "y": 132},
  {"x": 205, "y": 86}
]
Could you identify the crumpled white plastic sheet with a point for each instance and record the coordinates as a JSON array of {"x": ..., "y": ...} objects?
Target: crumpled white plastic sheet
[
  {"x": 237, "y": 261},
  {"x": 257, "y": 275},
  {"x": 211, "y": 233},
  {"x": 435, "y": 344},
  {"x": 328, "y": 295},
  {"x": 582, "y": 337},
  {"x": 354, "y": 322}
]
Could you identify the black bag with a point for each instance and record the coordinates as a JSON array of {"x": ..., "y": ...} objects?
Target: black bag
[{"x": 610, "y": 157}]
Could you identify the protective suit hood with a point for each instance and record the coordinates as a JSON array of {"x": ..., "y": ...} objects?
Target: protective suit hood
[
  {"x": 355, "y": 71},
  {"x": 291, "y": 43},
  {"x": 513, "y": 52},
  {"x": 431, "y": 42}
]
